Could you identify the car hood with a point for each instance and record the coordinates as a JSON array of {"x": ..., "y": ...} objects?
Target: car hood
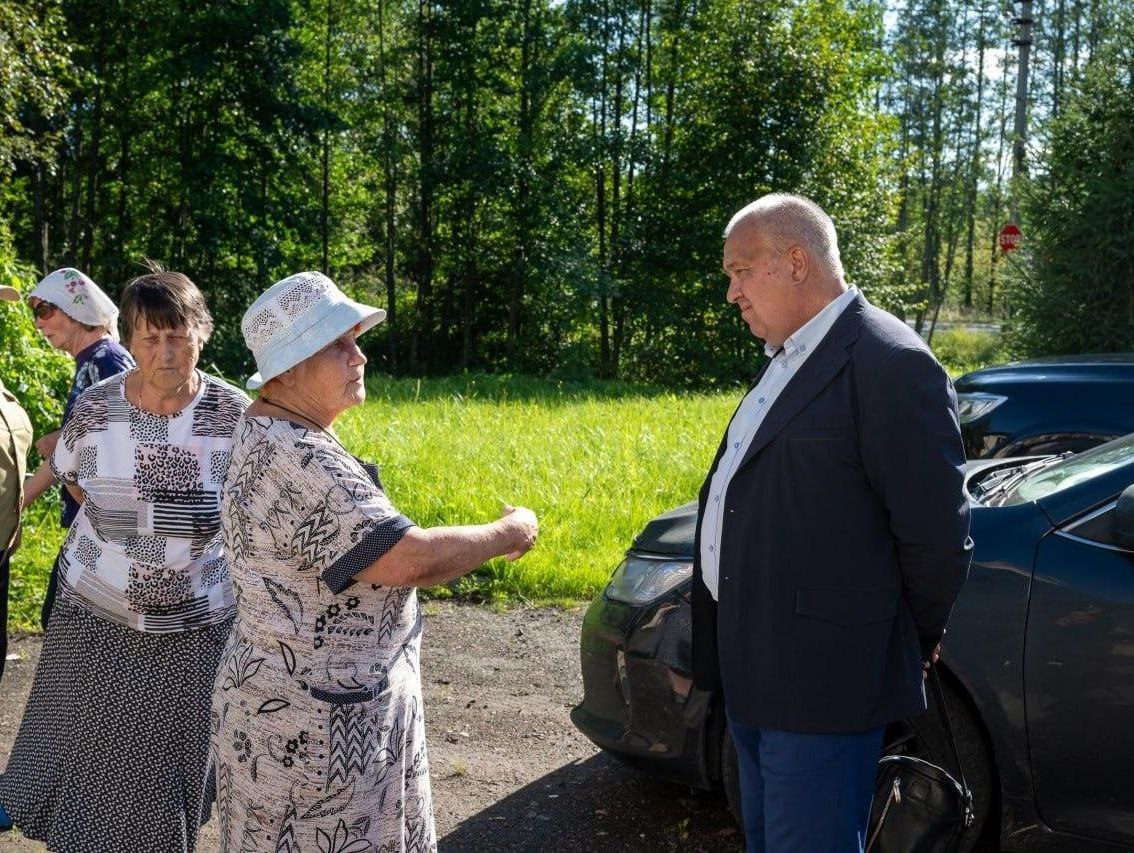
[
  {"x": 1105, "y": 368},
  {"x": 671, "y": 533}
]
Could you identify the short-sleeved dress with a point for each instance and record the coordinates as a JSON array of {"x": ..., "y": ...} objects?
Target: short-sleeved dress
[
  {"x": 112, "y": 752},
  {"x": 318, "y": 726}
]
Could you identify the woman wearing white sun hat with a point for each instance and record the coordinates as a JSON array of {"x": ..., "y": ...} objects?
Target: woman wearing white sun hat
[{"x": 318, "y": 728}]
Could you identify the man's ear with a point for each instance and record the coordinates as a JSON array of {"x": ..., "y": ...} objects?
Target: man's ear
[{"x": 800, "y": 263}]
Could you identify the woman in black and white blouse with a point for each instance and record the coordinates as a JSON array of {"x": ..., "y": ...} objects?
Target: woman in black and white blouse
[{"x": 112, "y": 751}]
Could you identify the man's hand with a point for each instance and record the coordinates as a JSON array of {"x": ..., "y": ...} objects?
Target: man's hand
[
  {"x": 46, "y": 443},
  {"x": 933, "y": 658},
  {"x": 526, "y": 528}
]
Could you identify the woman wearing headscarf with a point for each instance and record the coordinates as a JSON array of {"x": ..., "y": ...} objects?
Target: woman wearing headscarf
[
  {"x": 74, "y": 315},
  {"x": 113, "y": 747},
  {"x": 318, "y": 724}
]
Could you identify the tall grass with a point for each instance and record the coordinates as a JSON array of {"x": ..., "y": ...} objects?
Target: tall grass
[
  {"x": 962, "y": 350},
  {"x": 595, "y": 461}
]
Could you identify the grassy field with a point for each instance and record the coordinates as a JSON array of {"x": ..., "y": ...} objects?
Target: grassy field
[{"x": 594, "y": 461}]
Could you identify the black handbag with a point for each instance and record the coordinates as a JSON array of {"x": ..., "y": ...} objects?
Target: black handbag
[{"x": 919, "y": 807}]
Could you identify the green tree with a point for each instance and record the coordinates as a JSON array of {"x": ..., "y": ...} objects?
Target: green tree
[{"x": 1075, "y": 291}]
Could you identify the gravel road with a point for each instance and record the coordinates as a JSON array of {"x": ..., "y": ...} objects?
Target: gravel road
[{"x": 509, "y": 770}]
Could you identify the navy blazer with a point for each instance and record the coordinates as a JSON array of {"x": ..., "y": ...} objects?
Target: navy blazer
[{"x": 845, "y": 538}]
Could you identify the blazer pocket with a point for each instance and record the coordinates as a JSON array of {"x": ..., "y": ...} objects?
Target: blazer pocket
[{"x": 847, "y": 607}]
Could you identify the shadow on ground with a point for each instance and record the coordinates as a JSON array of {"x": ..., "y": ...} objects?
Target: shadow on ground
[{"x": 599, "y": 804}]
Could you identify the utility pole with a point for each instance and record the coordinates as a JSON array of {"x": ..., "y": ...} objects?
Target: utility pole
[{"x": 1023, "y": 43}]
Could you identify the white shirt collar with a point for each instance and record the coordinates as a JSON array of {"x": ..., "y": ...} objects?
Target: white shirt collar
[{"x": 810, "y": 334}]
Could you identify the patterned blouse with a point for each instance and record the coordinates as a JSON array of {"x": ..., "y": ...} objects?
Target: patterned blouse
[
  {"x": 145, "y": 550},
  {"x": 101, "y": 360},
  {"x": 301, "y": 518}
]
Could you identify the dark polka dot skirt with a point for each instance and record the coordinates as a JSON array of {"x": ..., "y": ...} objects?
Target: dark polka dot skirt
[{"x": 112, "y": 752}]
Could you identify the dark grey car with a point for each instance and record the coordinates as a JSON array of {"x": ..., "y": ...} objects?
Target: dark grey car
[{"x": 1038, "y": 662}]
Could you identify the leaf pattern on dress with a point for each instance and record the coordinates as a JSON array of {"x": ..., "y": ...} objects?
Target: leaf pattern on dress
[
  {"x": 419, "y": 830},
  {"x": 340, "y": 841},
  {"x": 240, "y": 667},
  {"x": 351, "y": 625},
  {"x": 273, "y": 705},
  {"x": 288, "y": 656},
  {"x": 287, "y": 841},
  {"x": 352, "y": 743},
  {"x": 283, "y": 597},
  {"x": 331, "y": 804},
  {"x": 391, "y": 751},
  {"x": 254, "y": 831},
  {"x": 224, "y": 786},
  {"x": 392, "y": 611}
]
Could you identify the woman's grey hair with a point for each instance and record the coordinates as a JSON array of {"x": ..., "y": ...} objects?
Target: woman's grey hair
[{"x": 793, "y": 219}]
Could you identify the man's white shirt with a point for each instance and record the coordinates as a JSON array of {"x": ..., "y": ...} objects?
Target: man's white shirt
[{"x": 786, "y": 362}]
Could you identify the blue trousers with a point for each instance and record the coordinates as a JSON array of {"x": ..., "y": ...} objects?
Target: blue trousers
[{"x": 805, "y": 793}]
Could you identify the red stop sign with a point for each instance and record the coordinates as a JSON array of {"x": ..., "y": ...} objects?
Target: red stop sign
[{"x": 1009, "y": 237}]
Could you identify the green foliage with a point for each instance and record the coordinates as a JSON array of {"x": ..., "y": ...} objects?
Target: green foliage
[
  {"x": 31, "y": 564},
  {"x": 33, "y": 80},
  {"x": 534, "y": 186},
  {"x": 1075, "y": 290},
  {"x": 37, "y": 374},
  {"x": 961, "y": 350},
  {"x": 789, "y": 110}
]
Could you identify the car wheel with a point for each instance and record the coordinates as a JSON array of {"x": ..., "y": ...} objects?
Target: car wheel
[{"x": 925, "y": 737}]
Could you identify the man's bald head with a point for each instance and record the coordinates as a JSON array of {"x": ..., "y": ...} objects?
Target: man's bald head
[{"x": 792, "y": 219}]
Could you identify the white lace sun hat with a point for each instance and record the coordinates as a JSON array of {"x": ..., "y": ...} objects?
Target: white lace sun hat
[{"x": 295, "y": 318}]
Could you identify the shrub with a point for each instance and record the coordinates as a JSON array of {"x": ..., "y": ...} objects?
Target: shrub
[
  {"x": 38, "y": 375},
  {"x": 961, "y": 350}
]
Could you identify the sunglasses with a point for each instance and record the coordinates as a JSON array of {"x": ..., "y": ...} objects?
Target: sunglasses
[{"x": 43, "y": 310}]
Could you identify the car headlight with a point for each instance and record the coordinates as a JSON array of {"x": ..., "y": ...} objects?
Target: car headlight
[
  {"x": 639, "y": 580},
  {"x": 973, "y": 405}
]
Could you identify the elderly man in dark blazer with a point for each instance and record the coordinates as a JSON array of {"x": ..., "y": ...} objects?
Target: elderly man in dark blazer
[{"x": 832, "y": 536}]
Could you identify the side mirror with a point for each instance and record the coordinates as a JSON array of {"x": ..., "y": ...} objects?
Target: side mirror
[{"x": 1124, "y": 519}]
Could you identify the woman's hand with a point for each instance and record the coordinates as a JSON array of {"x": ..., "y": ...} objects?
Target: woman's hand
[
  {"x": 46, "y": 444},
  {"x": 522, "y": 521}
]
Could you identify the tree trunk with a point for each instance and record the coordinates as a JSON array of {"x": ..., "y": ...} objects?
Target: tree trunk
[
  {"x": 325, "y": 158},
  {"x": 389, "y": 182},
  {"x": 974, "y": 167},
  {"x": 524, "y": 148},
  {"x": 424, "y": 255}
]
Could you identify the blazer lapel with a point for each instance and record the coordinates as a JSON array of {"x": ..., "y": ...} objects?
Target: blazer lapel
[{"x": 813, "y": 376}]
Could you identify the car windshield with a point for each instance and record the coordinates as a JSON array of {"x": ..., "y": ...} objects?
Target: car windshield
[{"x": 1074, "y": 469}]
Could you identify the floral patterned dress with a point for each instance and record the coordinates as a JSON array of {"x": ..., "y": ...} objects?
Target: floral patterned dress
[{"x": 318, "y": 729}]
